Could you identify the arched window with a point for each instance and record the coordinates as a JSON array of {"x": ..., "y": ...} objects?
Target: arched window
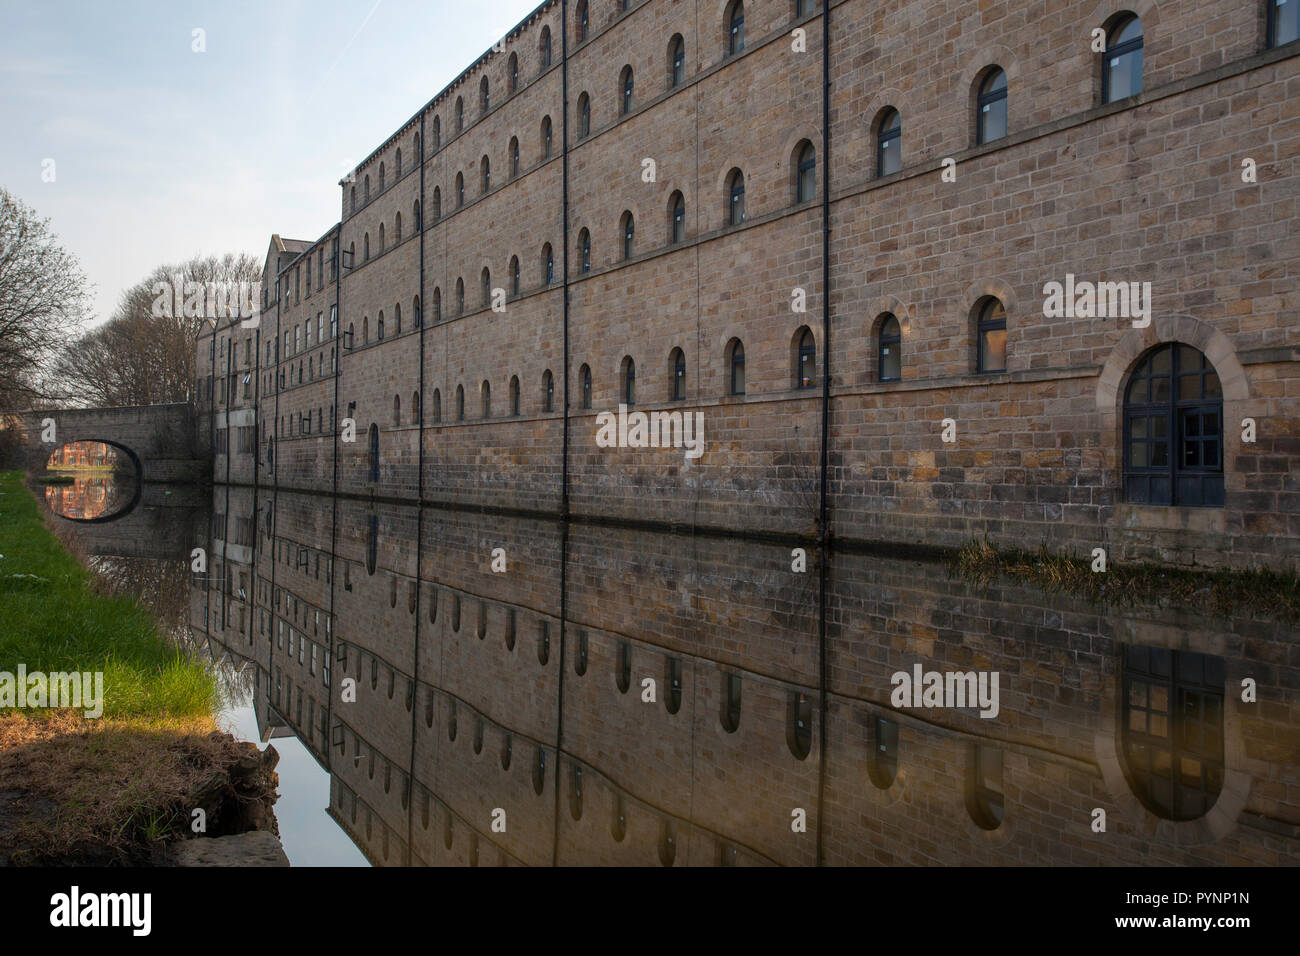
[
  {"x": 583, "y": 20},
  {"x": 382, "y": 244},
  {"x": 437, "y": 304},
  {"x": 677, "y": 375},
  {"x": 544, "y": 48},
  {"x": 514, "y": 395},
  {"x": 984, "y": 799},
  {"x": 514, "y": 275},
  {"x": 729, "y": 713},
  {"x": 584, "y": 116},
  {"x": 485, "y": 284},
  {"x": 512, "y": 73},
  {"x": 485, "y": 398},
  {"x": 514, "y": 156},
  {"x": 580, "y": 659},
  {"x": 437, "y": 203},
  {"x": 991, "y": 336},
  {"x": 397, "y": 410},
  {"x": 397, "y": 229},
  {"x": 798, "y": 734},
  {"x": 1283, "y": 22},
  {"x": 460, "y": 403},
  {"x": 460, "y": 114},
  {"x": 546, "y": 137},
  {"x": 365, "y": 247},
  {"x": 889, "y": 143},
  {"x": 805, "y": 172},
  {"x": 1121, "y": 69},
  {"x": 627, "y": 229},
  {"x": 1173, "y": 430},
  {"x": 437, "y": 133},
  {"x": 374, "y": 460},
  {"x": 676, "y": 218},
  {"x": 365, "y": 330},
  {"x": 803, "y": 8},
  {"x": 1172, "y": 729},
  {"x": 991, "y": 106},
  {"x": 354, "y": 198},
  {"x": 460, "y": 296},
  {"x": 584, "y": 250},
  {"x": 397, "y": 318},
  {"x": 379, "y": 326},
  {"x": 548, "y": 264},
  {"x": 889, "y": 349},
  {"x": 381, "y": 177},
  {"x": 417, "y": 312},
  {"x": 415, "y": 408},
  {"x": 625, "y": 89},
  {"x": 460, "y": 190},
  {"x": 419, "y": 220},
  {"x": 623, "y": 677},
  {"x": 627, "y": 378},
  {"x": 882, "y": 767},
  {"x": 676, "y": 61},
  {"x": 736, "y": 28},
  {"x": 365, "y": 189},
  {"x": 736, "y": 368},
  {"x": 485, "y": 174},
  {"x": 735, "y": 197},
  {"x": 548, "y": 391},
  {"x": 584, "y": 376},
  {"x": 437, "y": 406},
  {"x": 805, "y": 359}
]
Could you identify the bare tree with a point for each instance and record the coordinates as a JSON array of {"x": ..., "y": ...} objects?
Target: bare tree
[
  {"x": 144, "y": 353},
  {"x": 44, "y": 301}
]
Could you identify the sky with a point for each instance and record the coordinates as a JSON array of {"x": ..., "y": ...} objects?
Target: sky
[{"x": 142, "y": 151}]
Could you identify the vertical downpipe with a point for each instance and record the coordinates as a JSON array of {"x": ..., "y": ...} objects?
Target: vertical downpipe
[{"x": 823, "y": 529}]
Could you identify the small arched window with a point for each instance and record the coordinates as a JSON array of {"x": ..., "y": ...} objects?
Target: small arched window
[
  {"x": 805, "y": 172},
  {"x": 354, "y": 198},
  {"x": 514, "y": 156},
  {"x": 382, "y": 243},
  {"x": 437, "y": 133},
  {"x": 437, "y": 304},
  {"x": 460, "y": 190},
  {"x": 627, "y": 376},
  {"x": 584, "y": 116},
  {"x": 460, "y": 296},
  {"x": 1121, "y": 70},
  {"x": 805, "y": 359},
  {"x": 415, "y": 408},
  {"x": 729, "y": 713},
  {"x": 583, "y": 20},
  {"x": 546, "y": 137},
  {"x": 1283, "y": 22},
  {"x": 485, "y": 287},
  {"x": 624, "y": 675},
  {"x": 437, "y": 407},
  {"x": 627, "y": 229},
  {"x": 514, "y": 275},
  {"x": 460, "y": 114},
  {"x": 397, "y": 411},
  {"x": 584, "y": 250},
  {"x": 397, "y": 318},
  {"x": 381, "y": 177},
  {"x": 485, "y": 174},
  {"x": 736, "y": 368},
  {"x": 889, "y": 143},
  {"x": 580, "y": 659},
  {"x": 374, "y": 471},
  {"x": 514, "y": 395},
  {"x": 882, "y": 768},
  {"x": 485, "y": 398},
  {"x": 798, "y": 723},
  {"x": 544, "y": 48},
  {"x": 984, "y": 798},
  {"x": 365, "y": 330},
  {"x": 437, "y": 203},
  {"x": 548, "y": 391},
  {"x": 676, "y": 218},
  {"x": 584, "y": 376},
  {"x": 625, "y": 90},
  {"x": 417, "y": 312},
  {"x": 419, "y": 220},
  {"x": 991, "y": 336},
  {"x": 677, "y": 373},
  {"x": 365, "y": 189},
  {"x": 736, "y": 28},
  {"x": 512, "y": 73},
  {"x": 1173, "y": 430},
  {"x": 991, "y": 106},
  {"x": 460, "y": 403},
  {"x": 676, "y": 61},
  {"x": 889, "y": 349},
  {"x": 379, "y": 326},
  {"x": 735, "y": 197},
  {"x": 543, "y": 642},
  {"x": 548, "y": 264},
  {"x": 397, "y": 229},
  {"x": 365, "y": 247}
]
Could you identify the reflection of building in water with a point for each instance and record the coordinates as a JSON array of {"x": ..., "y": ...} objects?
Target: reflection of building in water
[
  {"x": 84, "y": 454},
  {"x": 479, "y": 692}
]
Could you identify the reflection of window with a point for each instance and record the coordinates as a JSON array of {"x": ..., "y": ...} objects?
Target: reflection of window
[
  {"x": 1172, "y": 729},
  {"x": 985, "y": 794},
  {"x": 799, "y": 725},
  {"x": 883, "y": 766},
  {"x": 730, "y": 713},
  {"x": 1173, "y": 430}
]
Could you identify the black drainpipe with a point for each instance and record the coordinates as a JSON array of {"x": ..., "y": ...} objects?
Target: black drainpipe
[{"x": 823, "y": 529}]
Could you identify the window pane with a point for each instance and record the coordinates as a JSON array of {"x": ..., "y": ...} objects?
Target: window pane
[{"x": 993, "y": 350}]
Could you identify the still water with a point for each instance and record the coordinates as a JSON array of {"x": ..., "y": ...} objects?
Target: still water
[{"x": 457, "y": 688}]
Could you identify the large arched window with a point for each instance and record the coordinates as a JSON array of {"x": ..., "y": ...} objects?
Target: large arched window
[
  {"x": 1173, "y": 430},
  {"x": 677, "y": 375},
  {"x": 625, "y": 90},
  {"x": 584, "y": 116},
  {"x": 584, "y": 250},
  {"x": 736, "y": 368},
  {"x": 735, "y": 28},
  {"x": 676, "y": 218},
  {"x": 1172, "y": 730},
  {"x": 735, "y": 197},
  {"x": 889, "y": 143},
  {"x": 584, "y": 376},
  {"x": 990, "y": 335},
  {"x": 1121, "y": 70},
  {"x": 889, "y": 349},
  {"x": 627, "y": 377},
  {"x": 627, "y": 230},
  {"x": 991, "y": 106},
  {"x": 805, "y": 359},
  {"x": 676, "y": 61},
  {"x": 1283, "y": 22},
  {"x": 805, "y": 172}
]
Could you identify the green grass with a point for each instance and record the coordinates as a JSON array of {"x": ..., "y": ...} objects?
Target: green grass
[{"x": 52, "y": 620}]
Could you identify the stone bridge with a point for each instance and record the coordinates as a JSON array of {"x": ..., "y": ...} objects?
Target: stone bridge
[{"x": 163, "y": 441}]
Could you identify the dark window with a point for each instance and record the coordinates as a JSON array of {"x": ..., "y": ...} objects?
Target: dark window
[
  {"x": 514, "y": 156},
  {"x": 514, "y": 275},
  {"x": 460, "y": 190},
  {"x": 584, "y": 115},
  {"x": 1172, "y": 730},
  {"x": 806, "y": 361},
  {"x": 629, "y": 381},
  {"x": 628, "y": 230},
  {"x": 374, "y": 455},
  {"x": 676, "y": 61},
  {"x": 677, "y": 218},
  {"x": 514, "y": 395},
  {"x": 512, "y": 72},
  {"x": 584, "y": 21},
  {"x": 545, "y": 47},
  {"x": 548, "y": 264},
  {"x": 1121, "y": 72},
  {"x": 548, "y": 391},
  {"x": 736, "y": 197},
  {"x": 1283, "y": 22},
  {"x": 624, "y": 676},
  {"x": 1173, "y": 430},
  {"x": 984, "y": 795},
  {"x": 460, "y": 114},
  {"x": 730, "y": 711},
  {"x": 882, "y": 768},
  {"x": 736, "y": 29},
  {"x": 584, "y": 250},
  {"x": 485, "y": 169},
  {"x": 890, "y": 350},
  {"x": 586, "y": 387},
  {"x": 737, "y": 364},
  {"x": 460, "y": 296},
  {"x": 805, "y": 187},
  {"x": 546, "y": 138},
  {"x": 991, "y": 107},
  {"x": 799, "y": 725},
  {"x": 460, "y": 403},
  {"x": 625, "y": 87},
  {"x": 889, "y": 143},
  {"x": 804, "y": 7},
  {"x": 991, "y": 330},
  {"x": 678, "y": 364}
]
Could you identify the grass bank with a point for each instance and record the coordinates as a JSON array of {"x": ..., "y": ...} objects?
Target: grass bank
[
  {"x": 105, "y": 790},
  {"x": 1223, "y": 593}
]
